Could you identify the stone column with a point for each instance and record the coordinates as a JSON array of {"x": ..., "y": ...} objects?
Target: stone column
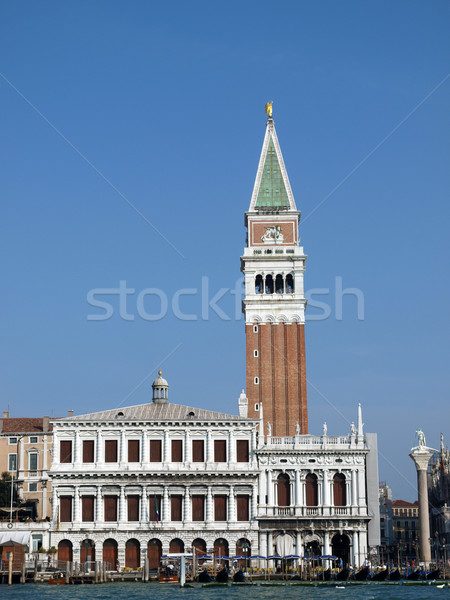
[
  {"x": 231, "y": 447},
  {"x": 209, "y": 506},
  {"x": 354, "y": 489},
  {"x": 262, "y": 488},
  {"x": 77, "y": 458},
  {"x": 253, "y": 448},
  {"x": 100, "y": 458},
  {"x": 99, "y": 505},
  {"x": 326, "y": 491},
  {"x": 55, "y": 505},
  {"x": 123, "y": 449},
  {"x": 209, "y": 448},
  {"x": 326, "y": 543},
  {"x": 166, "y": 508},
  {"x": 298, "y": 544},
  {"x": 269, "y": 488},
  {"x": 356, "y": 560},
  {"x": 263, "y": 543},
  {"x": 187, "y": 506},
  {"x": 187, "y": 447},
  {"x": 421, "y": 456},
  {"x": 145, "y": 454},
  {"x": 166, "y": 448},
  {"x": 76, "y": 501},
  {"x": 232, "y": 505},
  {"x": 123, "y": 506},
  {"x": 144, "y": 506},
  {"x": 298, "y": 490}
]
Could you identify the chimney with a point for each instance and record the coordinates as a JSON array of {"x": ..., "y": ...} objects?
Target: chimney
[
  {"x": 70, "y": 413},
  {"x": 1, "y": 425},
  {"x": 45, "y": 424},
  {"x": 6, "y": 414}
]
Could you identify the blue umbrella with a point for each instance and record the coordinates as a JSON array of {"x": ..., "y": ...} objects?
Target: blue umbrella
[
  {"x": 328, "y": 557},
  {"x": 204, "y": 556},
  {"x": 257, "y": 556},
  {"x": 274, "y": 556},
  {"x": 223, "y": 557},
  {"x": 292, "y": 556},
  {"x": 239, "y": 557}
]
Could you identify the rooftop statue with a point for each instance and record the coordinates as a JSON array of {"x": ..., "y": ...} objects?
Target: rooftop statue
[{"x": 269, "y": 108}]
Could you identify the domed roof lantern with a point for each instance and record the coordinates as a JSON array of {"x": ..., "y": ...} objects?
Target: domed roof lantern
[{"x": 160, "y": 389}]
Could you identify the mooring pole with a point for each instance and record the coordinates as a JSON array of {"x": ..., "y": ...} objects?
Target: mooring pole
[
  {"x": 182, "y": 571},
  {"x": 10, "y": 568}
]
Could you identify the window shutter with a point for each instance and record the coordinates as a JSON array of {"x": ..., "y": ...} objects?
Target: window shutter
[
  {"x": 242, "y": 450},
  {"x": 220, "y": 451},
  {"x": 311, "y": 490},
  {"x": 88, "y": 451},
  {"x": 133, "y": 508},
  {"x": 155, "y": 451},
  {"x": 283, "y": 490},
  {"x": 110, "y": 503},
  {"x": 111, "y": 451},
  {"x": 220, "y": 508},
  {"x": 339, "y": 491},
  {"x": 65, "y": 451},
  {"x": 65, "y": 509},
  {"x": 242, "y": 504},
  {"x": 87, "y": 508},
  {"x": 198, "y": 451},
  {"x": 177, "y": 450},
  {"x": 133, "y": 451},
  {"x": 175, "y": 508},
  {"x": 198, "y": 508}
]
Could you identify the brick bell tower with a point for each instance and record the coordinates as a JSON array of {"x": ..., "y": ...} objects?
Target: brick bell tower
[{"x": 274, "y": 305}]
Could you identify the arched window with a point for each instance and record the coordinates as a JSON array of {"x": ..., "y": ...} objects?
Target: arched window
[
  {"x": 221, "y": 548},
  {"x": 279, "y": 284},
  {"x": 339, "y": 490},
  {"x": 200, "y": 549},
  {"x": 289, "y": 284},
  {"x": 269, "y": 284},
  {"x": 258, "y": 284},
  {"x": 283, "y": 490},
  {"x": 311, "y": 490}
]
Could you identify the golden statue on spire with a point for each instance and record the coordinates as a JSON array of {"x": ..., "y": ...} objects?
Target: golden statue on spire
[{"x": 269, "y": 108}]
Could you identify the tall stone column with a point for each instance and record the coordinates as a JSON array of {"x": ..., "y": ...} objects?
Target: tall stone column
[{"x": 421, "y": 456}]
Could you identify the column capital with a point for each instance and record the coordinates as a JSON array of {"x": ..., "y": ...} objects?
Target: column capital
[{"x": 421, "y": 459}]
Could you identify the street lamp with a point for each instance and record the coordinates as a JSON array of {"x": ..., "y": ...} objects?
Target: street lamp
[{"x": 436, "y": 548}]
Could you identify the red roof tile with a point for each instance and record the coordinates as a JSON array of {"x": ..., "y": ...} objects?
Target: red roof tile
[
  {"x": 23, "y": 425},
  {"x": 404, "y": 504}
]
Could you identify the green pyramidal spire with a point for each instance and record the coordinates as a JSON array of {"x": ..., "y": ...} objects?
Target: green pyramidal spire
[
  {"x": 272, "y": 188},
  {"x": 272, "y": 191}
]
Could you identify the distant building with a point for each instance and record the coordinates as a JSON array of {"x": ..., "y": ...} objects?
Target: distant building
[
  {"x": 439, "y": 499},
  {"x": 406, "y": 526},
  {"x": 25, "y": 458},
  {"x": 386, "y": 515}
]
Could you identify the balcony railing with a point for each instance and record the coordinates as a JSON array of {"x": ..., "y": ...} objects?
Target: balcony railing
[{"x": 311, "y": 511}]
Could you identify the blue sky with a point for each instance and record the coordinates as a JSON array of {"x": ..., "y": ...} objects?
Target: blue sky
[{"x": 165, "y": 101}]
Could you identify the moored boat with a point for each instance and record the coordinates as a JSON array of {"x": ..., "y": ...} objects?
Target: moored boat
[
  {"x": 395, "y": 575},
  {"x": 222, "y": 576},
  {"x": 362, "y": 574},
  {"x": 380, "y": 575}
]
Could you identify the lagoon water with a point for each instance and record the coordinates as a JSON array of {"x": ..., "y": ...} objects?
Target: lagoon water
[{"x": 155, "y": 591}]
